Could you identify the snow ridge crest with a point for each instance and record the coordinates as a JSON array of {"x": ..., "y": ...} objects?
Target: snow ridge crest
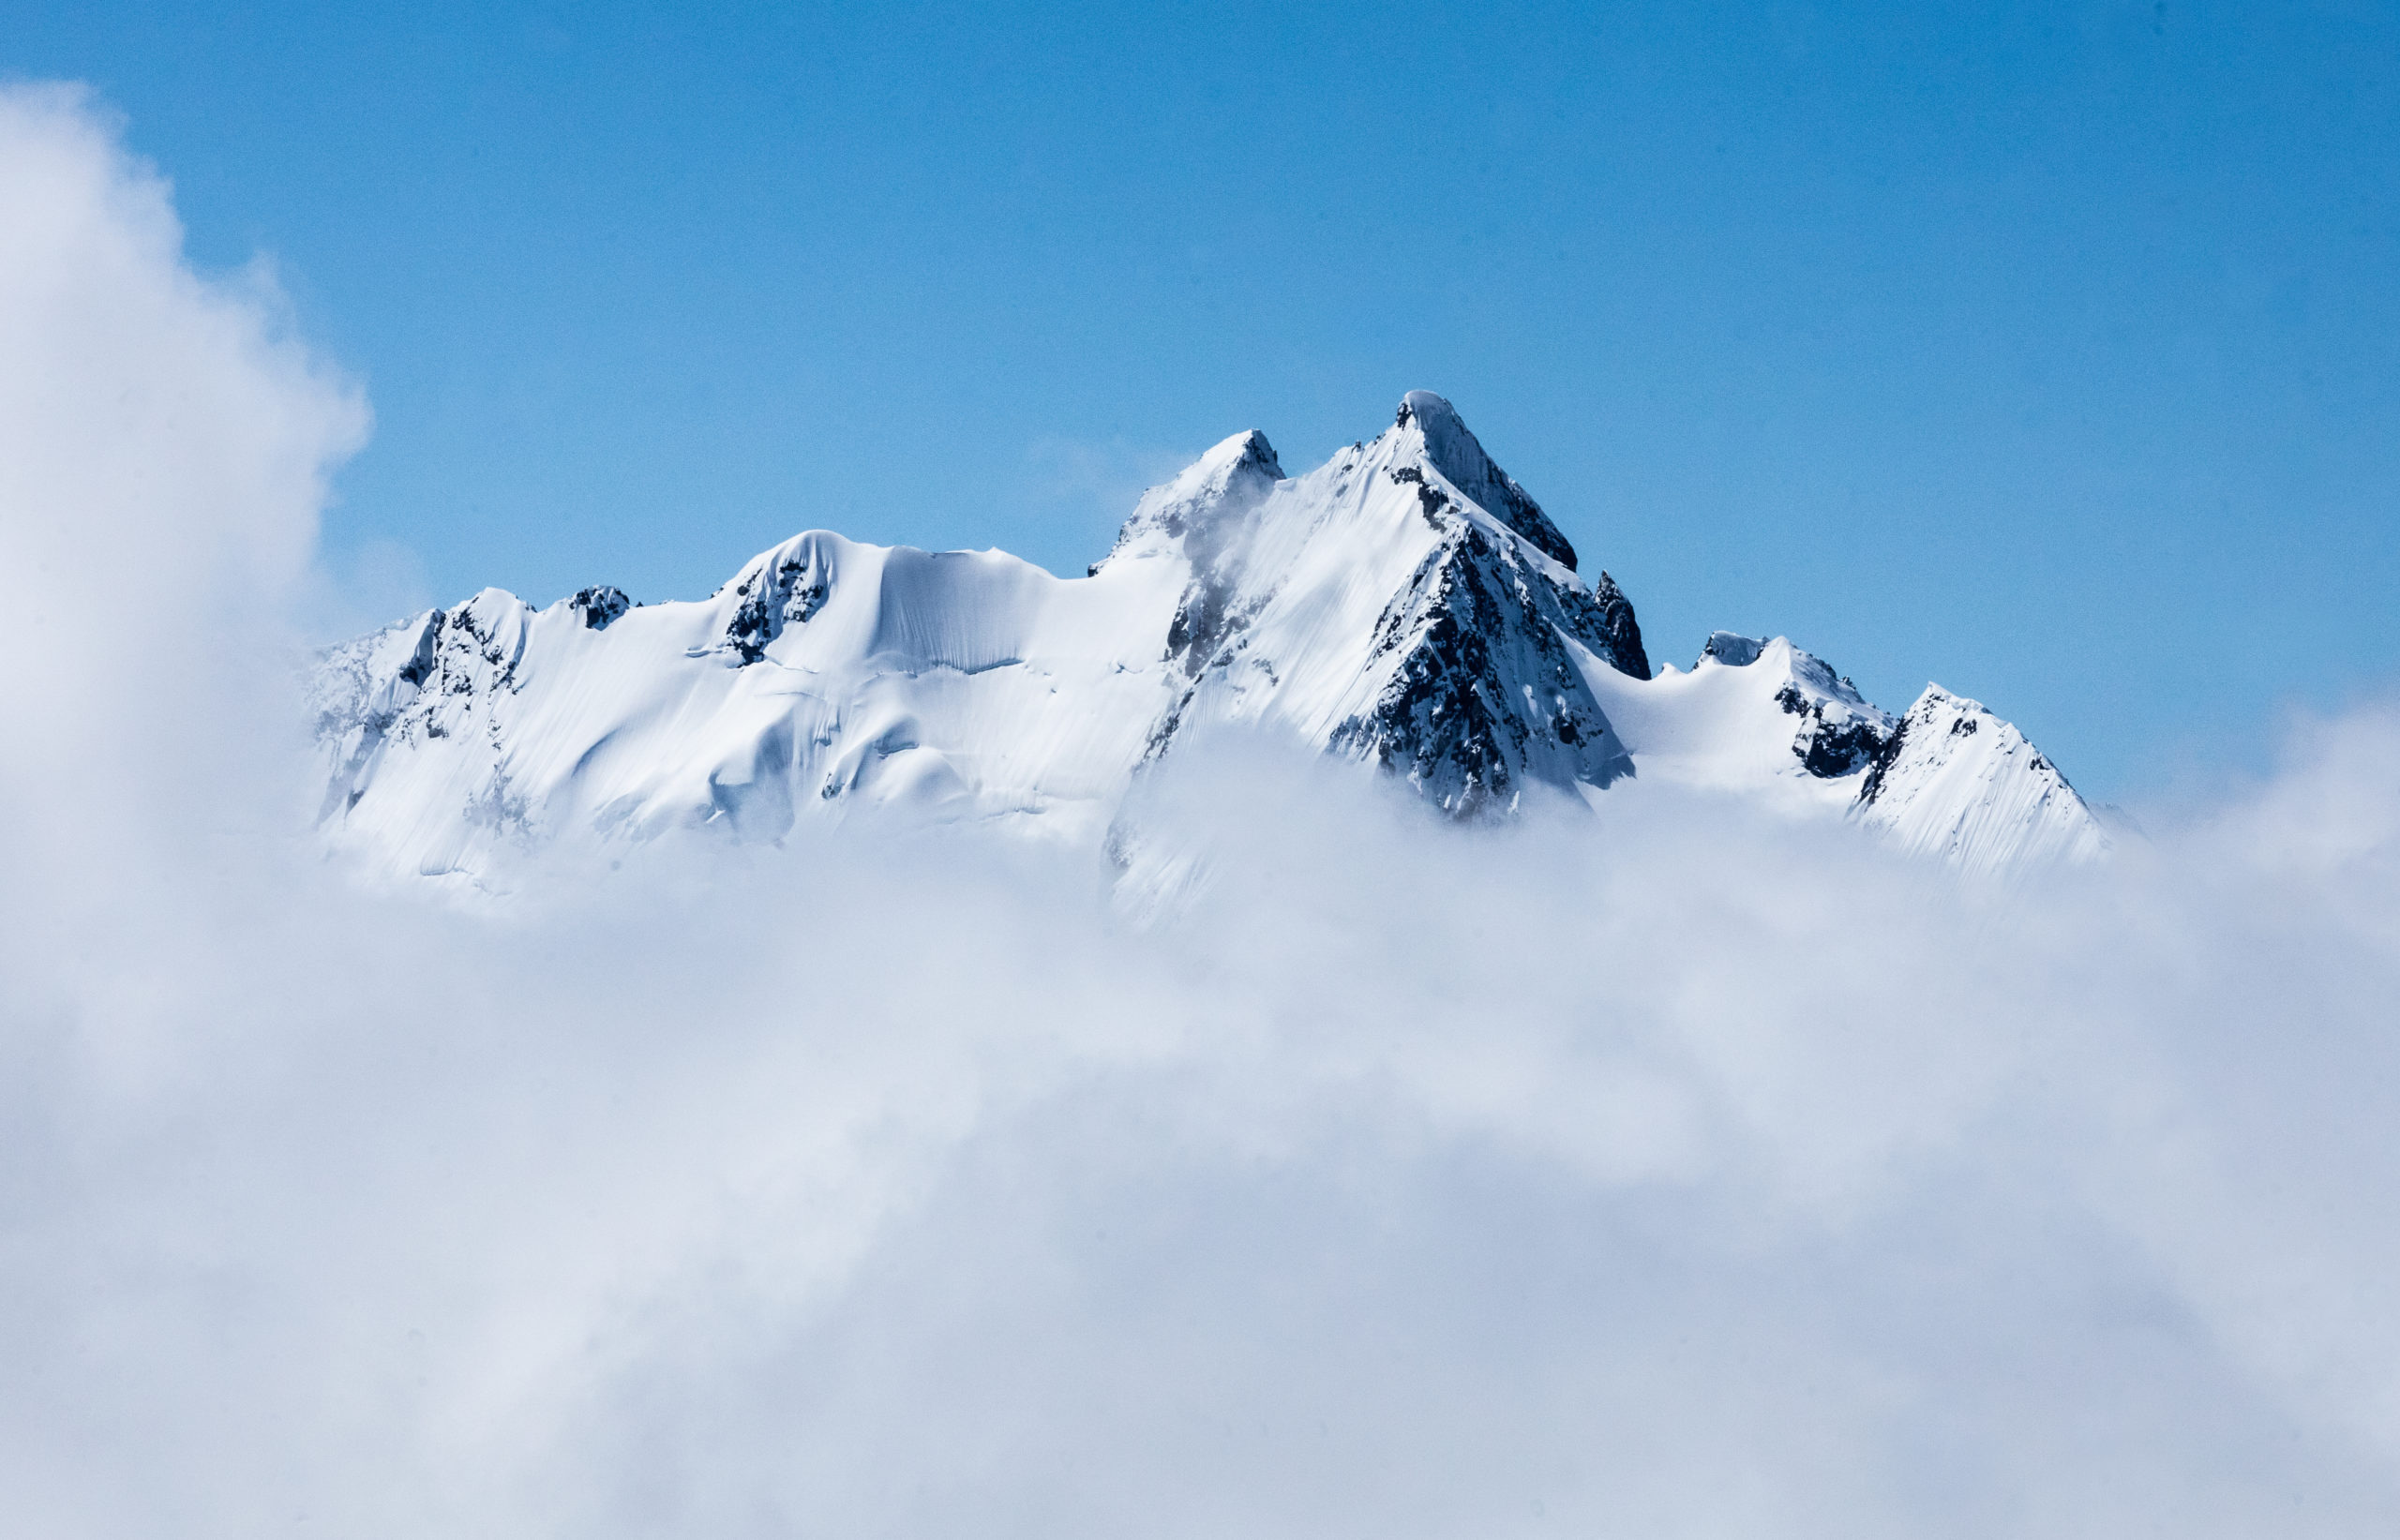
[
  {"x": 1441, "y": 437},
  {"x": 1406, "y": 604}
]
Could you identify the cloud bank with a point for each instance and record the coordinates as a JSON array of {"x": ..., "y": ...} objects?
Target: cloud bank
[{"x": 1667, "y": 1172}]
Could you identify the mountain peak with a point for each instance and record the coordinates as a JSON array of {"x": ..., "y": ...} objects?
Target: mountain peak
[
  {"x": 1425, "y": 404},
  {"x": 1405, "y": 605},
  {"x": 1246, "y": 453},
  {"x": 1449, "y": 447},
  {"x": 1231, "y": 476},
  {"x": 1955, "y": 780}
]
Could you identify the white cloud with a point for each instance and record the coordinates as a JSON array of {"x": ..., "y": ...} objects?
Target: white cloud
[
  {"x": 164, "y": 447},
  {"x": 1667, "y": 1172}
]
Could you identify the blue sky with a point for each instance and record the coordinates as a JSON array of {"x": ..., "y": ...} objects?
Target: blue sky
[{"x": 2050, "y": 351}]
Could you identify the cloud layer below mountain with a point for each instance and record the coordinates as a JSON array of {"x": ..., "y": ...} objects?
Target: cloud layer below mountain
[{"x": 1668, "y": 1172}]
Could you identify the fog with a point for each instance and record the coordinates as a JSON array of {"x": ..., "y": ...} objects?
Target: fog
[{"x": 1670, "y": 1172}]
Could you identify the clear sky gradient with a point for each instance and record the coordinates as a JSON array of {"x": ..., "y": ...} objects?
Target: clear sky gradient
[{"x": 2052, "y": 352}]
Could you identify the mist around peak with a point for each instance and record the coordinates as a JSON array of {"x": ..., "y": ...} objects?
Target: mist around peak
[{"x": 1672, "y": 1168}]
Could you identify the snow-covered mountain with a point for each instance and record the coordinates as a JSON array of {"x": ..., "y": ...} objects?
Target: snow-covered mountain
[{"x": 1406, "y": 604}]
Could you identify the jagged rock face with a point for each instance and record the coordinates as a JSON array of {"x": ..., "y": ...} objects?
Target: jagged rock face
[
  {"x": 599, "y": 606},
  {"x": 1405, "y": 604},
  {"x": 1839, "y": 734},
  {"x": 433, "y": 684},
  {"x": 1467, "y": 674},
  {"x": 1486, "y": 696},
  {"x": 1605, "y": 623},
  {"x": 1830, "y": 749},
  {"x": 784, "y": 586}
]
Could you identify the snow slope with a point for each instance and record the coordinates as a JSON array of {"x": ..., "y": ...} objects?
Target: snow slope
[
  {"x": 1956, "y": 781},
  {"x": 1406, "y": 604}
]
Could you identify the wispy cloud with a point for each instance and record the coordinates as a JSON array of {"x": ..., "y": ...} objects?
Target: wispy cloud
[{"x": 1095, "y": 484}]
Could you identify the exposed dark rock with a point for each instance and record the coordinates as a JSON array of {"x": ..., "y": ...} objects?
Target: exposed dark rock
[
  {"x": 1879, "y": 768},
  {"x": 1608, "y": 627},
  {"x": 1839, "y": 733},
  {"x": 788, "y": 593},
  {"x": 600, "y": 606},
  {"x": 1486, "y": 696}
]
